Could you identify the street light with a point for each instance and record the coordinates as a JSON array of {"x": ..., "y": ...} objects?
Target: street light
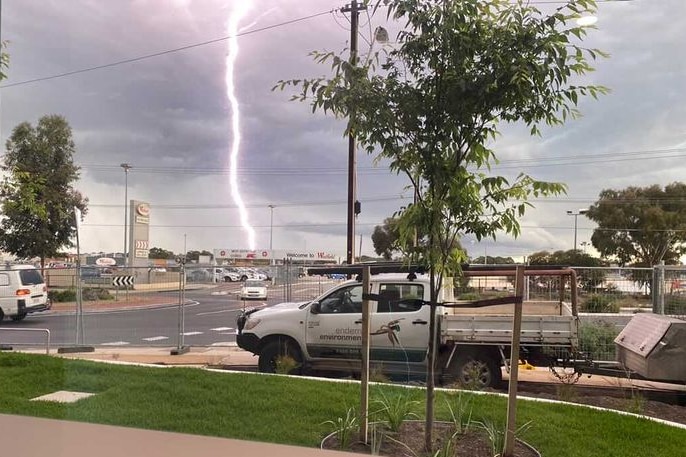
[
  {"x": 126, "y": 168},
  {"x": 271, "y": 227},
  {"x": 576, "y": 214}
]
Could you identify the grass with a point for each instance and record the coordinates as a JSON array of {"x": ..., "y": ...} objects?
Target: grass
[{"x": 291, "y": 410}]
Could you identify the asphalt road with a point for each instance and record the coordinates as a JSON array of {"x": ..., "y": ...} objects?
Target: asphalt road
[{"x": 209, "y": 320}]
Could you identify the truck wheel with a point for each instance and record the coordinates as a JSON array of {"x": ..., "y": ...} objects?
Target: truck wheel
[
  {"x": 475, "y": 371},
  {"x": 18, "y": 317},
  {"x": 272, "y": 351}
]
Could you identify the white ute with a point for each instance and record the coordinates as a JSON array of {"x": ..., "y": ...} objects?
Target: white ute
[{"x": 325, "y": 333}]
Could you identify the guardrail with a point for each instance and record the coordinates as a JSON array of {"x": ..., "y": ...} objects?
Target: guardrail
[{"x": 43, "y": 330}]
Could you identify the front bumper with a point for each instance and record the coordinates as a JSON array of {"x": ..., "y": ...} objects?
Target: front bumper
[
  {"x": 248, "y": 341},
  {"x": 256, "y": 294}
]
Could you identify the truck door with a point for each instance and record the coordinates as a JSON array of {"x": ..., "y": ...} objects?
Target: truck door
[
  {"x": 399, "y": 329},
  {"x": 334, "y": 330}
]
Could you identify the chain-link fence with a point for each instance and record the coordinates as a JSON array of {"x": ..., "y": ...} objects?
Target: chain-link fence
[{"x": 607, "y": 298}]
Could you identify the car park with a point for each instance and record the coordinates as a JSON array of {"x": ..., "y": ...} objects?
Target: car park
[
  {"x": 22, "y": 291},
  {"x": 253, "y": 289}
]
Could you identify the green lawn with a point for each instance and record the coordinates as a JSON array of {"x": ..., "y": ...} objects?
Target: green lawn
[{"x": 289, "y": 410}]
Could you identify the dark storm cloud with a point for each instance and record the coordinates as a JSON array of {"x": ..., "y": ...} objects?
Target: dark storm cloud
[{"x": 171, "y": 111}]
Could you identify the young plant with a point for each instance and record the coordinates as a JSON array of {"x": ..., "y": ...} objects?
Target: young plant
[
  {"x": 447, "y": 449},
  {"x": 635, "y": 402},
  {"x": 285, "y": 364},
  {"x": 566, "y": 390},
  {"x": 496, "y": 434},
  {"x": 345, "y": 427},
  {"x": 395, "y": 411},
  {"x": 461, "y": 413},
  {"x": 376, "y": 436},
  {"x": 376, "y": 374}
]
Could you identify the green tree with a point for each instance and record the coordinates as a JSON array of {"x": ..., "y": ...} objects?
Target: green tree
[
  {"x": 491, "y": 260},
  {"x": 194, "y": 256},
  {"x": 385, "y": 238},
  {"x": 38, "y": 197},
  {"x": 431, "y": 107},
  {"x": 159, "y": 253},
  {"x": 641, "y": 226},
  {"x": 588, "y": 277}
]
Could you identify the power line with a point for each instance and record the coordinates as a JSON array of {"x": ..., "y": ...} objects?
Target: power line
[
  {"x": 585, "y": 159},
  {"x": 369, "y": 224},
  {"x": 390, "y": 198},
  {"x": 208, "y": 42},
  {"x": 162, "y": 53},
  {"x": 257, "y": 205}
]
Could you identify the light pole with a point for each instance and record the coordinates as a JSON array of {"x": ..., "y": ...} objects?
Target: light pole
[
  {"x": 576, "y": 214},
  {"x": 271, "y": 226},
  {"x": 126, "y": 168}
]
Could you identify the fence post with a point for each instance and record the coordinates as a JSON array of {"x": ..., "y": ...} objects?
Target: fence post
[
  {"x": 511, "y": 423},
  {"x": 659, "y": 288},
  {"x": 181, "y": 348},
  {"x": 289, "y": 279}
]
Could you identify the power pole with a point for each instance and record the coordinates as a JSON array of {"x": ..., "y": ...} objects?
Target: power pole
[{"x": 354, "y": 9}]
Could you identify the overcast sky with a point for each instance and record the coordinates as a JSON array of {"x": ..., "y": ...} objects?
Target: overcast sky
[{"x": 169, "y": 117}]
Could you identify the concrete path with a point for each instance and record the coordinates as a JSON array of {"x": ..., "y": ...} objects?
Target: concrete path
[{"x": 31, "y": 437}]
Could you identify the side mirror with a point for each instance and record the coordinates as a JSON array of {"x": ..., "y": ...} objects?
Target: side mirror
[{"x": 315, "y": 307}]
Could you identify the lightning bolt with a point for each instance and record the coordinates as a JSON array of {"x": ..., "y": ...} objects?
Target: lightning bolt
[{"x": 241, "y": 8}]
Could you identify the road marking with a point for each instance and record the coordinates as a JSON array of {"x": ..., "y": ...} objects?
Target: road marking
[
  {"x": 216, "y": 312},
  {"x": 156, "y": 338},
  {"x": 223, "y": 292},
  {"x": 115, "y": 343},
  {"x": 224, "y": 343},
  {"x": 192, "y": 333},
  {"x": 228, "y": 333},
  {"x": 221, "y": 329}
]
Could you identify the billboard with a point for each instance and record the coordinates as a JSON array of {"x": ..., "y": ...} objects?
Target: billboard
[
  {"x": 139, "y": 233},
  {"x": 276, "y": 254}
]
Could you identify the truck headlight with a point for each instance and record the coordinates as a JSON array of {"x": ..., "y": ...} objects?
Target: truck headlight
[{"x": 251, "y": 324}]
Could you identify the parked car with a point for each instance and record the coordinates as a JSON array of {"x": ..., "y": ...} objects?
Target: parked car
[
  {"x": 231, "y": 276},
  {"x": 267, "y": 274},
  {"x": 260, "y": 275},
  {"x": 88, "y": 271},
  {"x": 253, "y": 288},
  {"x": 22, "y": 291},
  {"x": 198, "y": 275}
]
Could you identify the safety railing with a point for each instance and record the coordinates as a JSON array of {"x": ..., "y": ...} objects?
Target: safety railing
[{"x": 34, "y": 330}]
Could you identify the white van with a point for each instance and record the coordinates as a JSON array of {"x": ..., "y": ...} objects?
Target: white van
[{"x": 22, "y": 291}]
